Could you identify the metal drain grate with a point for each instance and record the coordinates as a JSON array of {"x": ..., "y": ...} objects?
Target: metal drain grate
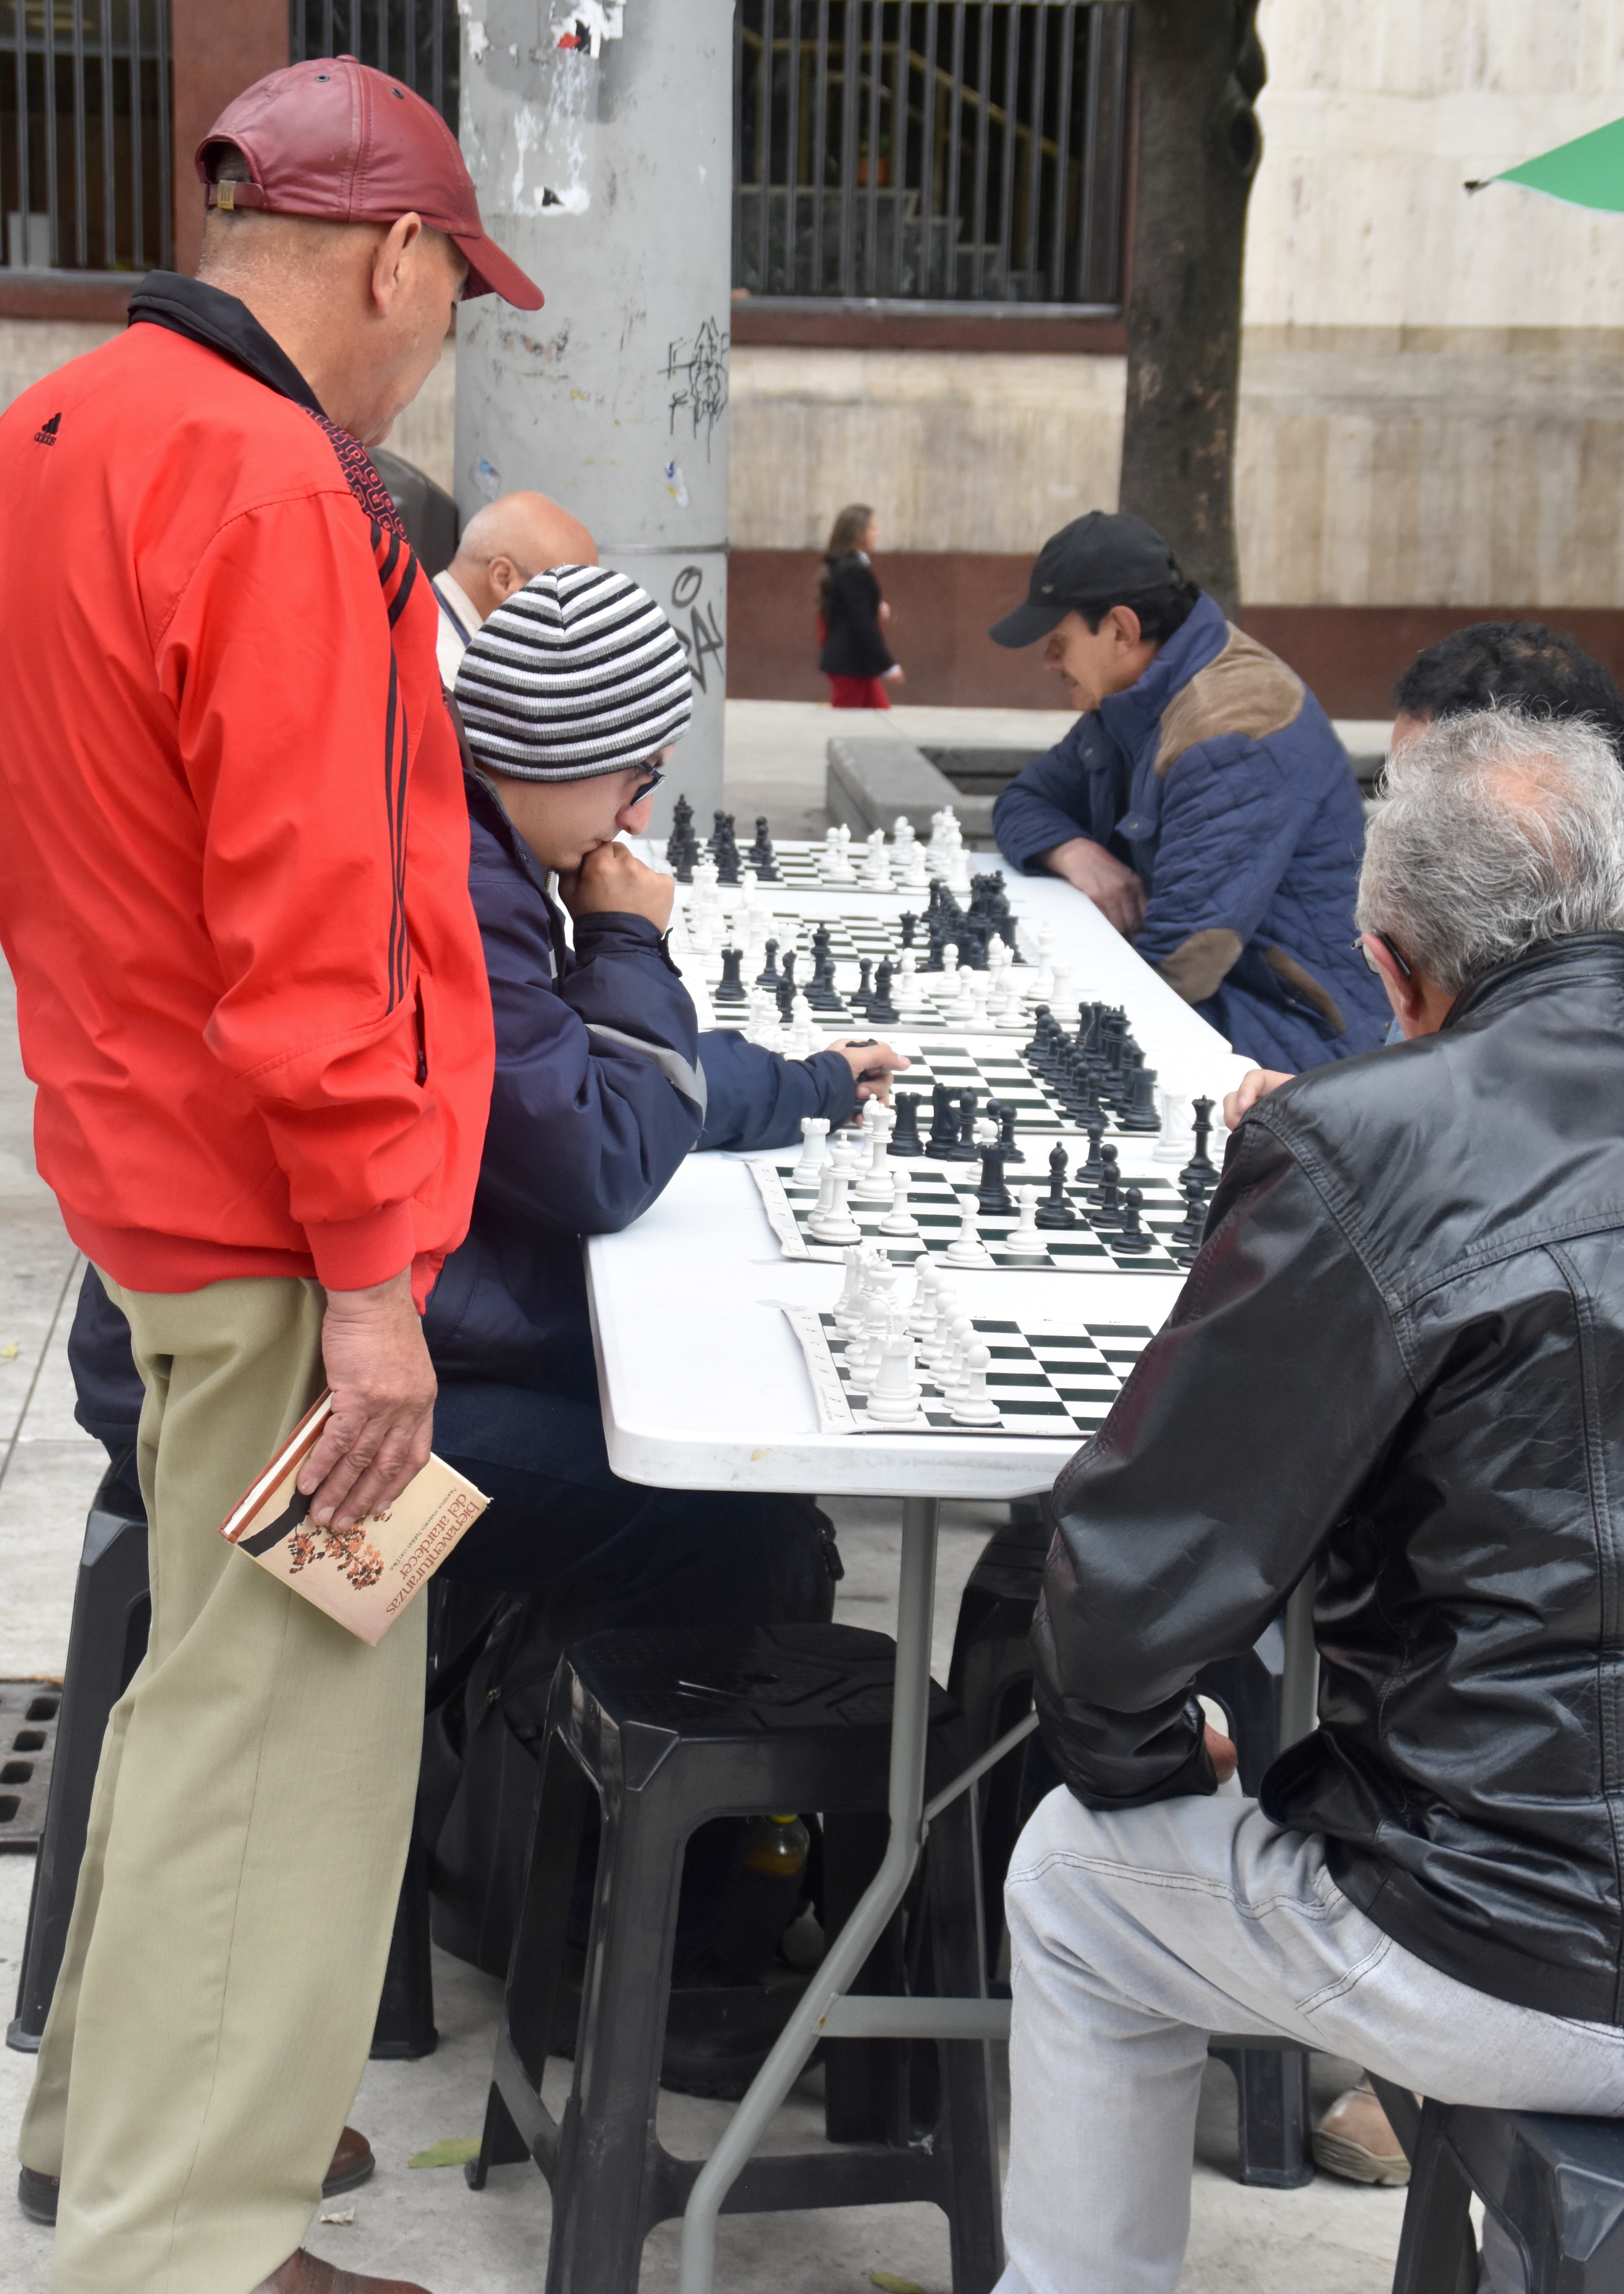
[{"x": 28, "y": 1740}]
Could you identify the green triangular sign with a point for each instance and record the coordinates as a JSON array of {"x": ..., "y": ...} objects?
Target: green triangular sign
[{"x": 1587, "y": 173}]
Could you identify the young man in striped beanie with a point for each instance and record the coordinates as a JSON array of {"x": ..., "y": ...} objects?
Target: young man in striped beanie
[{"x": 573, "y": 694}]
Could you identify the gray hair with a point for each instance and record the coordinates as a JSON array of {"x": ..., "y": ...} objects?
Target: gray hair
[{"x": 1495, "y": 831}]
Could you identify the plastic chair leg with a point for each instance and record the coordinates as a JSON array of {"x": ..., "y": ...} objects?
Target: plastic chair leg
[
  {"x": 1271, "y": 2116},
  {"x": 968, "y": 2132},
  {"x": 1437, "y": 2252}
]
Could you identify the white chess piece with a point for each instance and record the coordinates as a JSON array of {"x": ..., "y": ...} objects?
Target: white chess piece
[
  {"x": 906, "y": 994},
  {"x": 972, "y": 1406},
  {"x": 837, "y": 857},
  {"x": 960, "y": 1009},
  {"x": 1177, "y": 1143},
  {"x": 967, "y": 1248},
  {"x": 1063, "y": 1002},
  {"x": 1026, "y": 1239},
  {"x": 894, "y": 1393},
  {"x": 1043, "y": 987},
  {"x": 940, "y": 1354},
  {"x": 874, "y": 1185},
  {"x": 831, "y": 1221},
  {"x": 899, "y": 1220},
  {"x": 848, "y": 1305},
  {"x": 814, "y": 1151},
  {"x": 961, "y": 1337},
  {"x": 927, "y": 1282},
  {"x": 981, "y": 997},
  {"x": 803, "y": 1029}
]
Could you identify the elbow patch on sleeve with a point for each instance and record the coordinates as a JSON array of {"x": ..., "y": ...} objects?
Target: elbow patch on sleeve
[
  {"x": 1307, "y": 989},
  {"x": 1196, "y": 965}
]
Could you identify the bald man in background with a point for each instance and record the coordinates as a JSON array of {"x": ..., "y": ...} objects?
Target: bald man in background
[{"x": 502, "y": 547}]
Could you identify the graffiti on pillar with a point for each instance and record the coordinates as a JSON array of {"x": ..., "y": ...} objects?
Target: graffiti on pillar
[
  {"x": 696, "y": 373},
  {"x": 586, "y": 24},
  {"x": 704, "y": 639}
]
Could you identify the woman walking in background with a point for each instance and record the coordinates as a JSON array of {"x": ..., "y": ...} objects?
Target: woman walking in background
[{"x": 854, "y": 657}]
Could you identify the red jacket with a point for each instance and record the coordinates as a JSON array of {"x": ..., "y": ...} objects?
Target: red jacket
[{"x": 233, "y": 842}]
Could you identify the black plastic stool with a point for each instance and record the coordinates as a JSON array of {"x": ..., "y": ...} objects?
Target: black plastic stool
[
  {"x": 1554, "y": 2183},
  {"x": 670, "y": 1729},
  {"x": 106, "y": 1638},
  {"x": 991, "y": 1678}
]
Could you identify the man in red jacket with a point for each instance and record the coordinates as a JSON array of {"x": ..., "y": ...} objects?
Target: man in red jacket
[{"x": 233, "y": 892}]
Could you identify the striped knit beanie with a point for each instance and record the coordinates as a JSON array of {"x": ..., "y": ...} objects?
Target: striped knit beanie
[{"x": 578, "y": 673}]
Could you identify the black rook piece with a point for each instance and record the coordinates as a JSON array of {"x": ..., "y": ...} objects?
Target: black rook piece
[
  {"x": 732, "y": 987},
  {"x": 992, "y": 1195},
  {"x": 904, "y": 1138},
  {"x": 943, "y": 1125},
  {"x": 1140, "y": 1113},
  {"x": 1056, "y": 1211}
]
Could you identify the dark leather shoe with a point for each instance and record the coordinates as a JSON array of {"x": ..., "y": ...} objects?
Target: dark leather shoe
[
  {"x": 352, "y": 2163},
  {"x": 305, "y": 2274}
]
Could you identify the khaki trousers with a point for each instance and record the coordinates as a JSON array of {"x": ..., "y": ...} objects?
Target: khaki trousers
[{"x": 246, "y": 1839}]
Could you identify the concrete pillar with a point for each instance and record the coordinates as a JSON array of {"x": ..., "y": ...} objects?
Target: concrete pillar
[{"x": 600, "y": 138}]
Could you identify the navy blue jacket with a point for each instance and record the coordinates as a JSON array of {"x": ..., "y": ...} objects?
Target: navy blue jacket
[
  {"x": 1219, "y": 779},
  {"x": 604, "y": 1084}
]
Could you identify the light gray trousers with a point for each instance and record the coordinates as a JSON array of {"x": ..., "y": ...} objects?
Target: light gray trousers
[{"x": 1136, "y": 1934}]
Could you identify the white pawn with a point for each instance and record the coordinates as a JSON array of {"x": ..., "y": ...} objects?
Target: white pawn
[
  {"x": 972, "y": 1406},
  {"x": 874, "y": 1185},
  {"x": 899, "y": 1219},
  {"x": 814, "y": 1151},
  {"x": 1063, "y": 1002},
  {"x": 927, "y": 1283},
  {"x": 1025, "y": 1241},
  {"x": 962, "y": 1008},
  {"x": 967, "y": 1248},
  {"x": 981, "y": 997},
  {"x": 940, "y": 1354},
  {"x": 831, "y": 1221},
  {"x": 1043, "y": 987},
  {"x": 906, "y": 994},
  {"x": 961, "y": 1337}
]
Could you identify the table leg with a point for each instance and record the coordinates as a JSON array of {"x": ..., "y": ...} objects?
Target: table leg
[{"x": 910, "y": 1723}]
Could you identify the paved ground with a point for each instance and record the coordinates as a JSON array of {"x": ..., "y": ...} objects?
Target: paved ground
[{"x": 427, "y": 2223}]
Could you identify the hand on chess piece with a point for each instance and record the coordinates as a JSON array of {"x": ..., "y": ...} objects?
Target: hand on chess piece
[
  {"x": 1257, "y": 1084},
  {"x": 872, "y": 1064},
  {"x": 612, "y": 880}
]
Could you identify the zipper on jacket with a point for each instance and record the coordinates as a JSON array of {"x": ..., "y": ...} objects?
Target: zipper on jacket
[{"x": 422, "y": 1037}]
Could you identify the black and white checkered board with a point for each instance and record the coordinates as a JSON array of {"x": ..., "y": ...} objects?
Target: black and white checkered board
[
  {"x": 1048, "y": 1381},
  {"x": 852, "y": 936},
  {"x": 800, "y": 865},
  {"x": 933, "y": 1192}
]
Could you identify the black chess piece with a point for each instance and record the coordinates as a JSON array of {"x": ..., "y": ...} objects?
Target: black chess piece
[
  {"x": 993, "y": 1196},
  {"x": 727, "y": 859},
  {"x": 788, "y": 966},
  {"x": 1056, "y": 1211},
  {"x": 1186, "y": 1235},
  {"x": 820, "y": 945},
  {"x": 732, "y": 990},
  {"x": 1140, "y": 1113},
  {"x": 863, "y": 995},
  {"x": 944, "y": 1125},
  {"x": 1200, "y": 1165},
  {"x": 821, "y": 991},
  {"x": 935, "y": 962},
  {"x": 1094, "y": 1169},
  {"x": 682, "y": 828},
  {"x": 1038, "y": 1051},
  {"x": 1132, "y": 1234},
  {"x": 966, "y": 1151},
  {"x": 1002, "y": 1111},
  {"x": 904, "y": 1138},
  {"x": 907, "y": 920},
  {"x": 762, "y": 857},
  {"x": 1107, "y": 1209},
  {"x": 786, "y": 999},
  {"x": 880, "y": 1006},
  {"x": 769, "y": 974}
]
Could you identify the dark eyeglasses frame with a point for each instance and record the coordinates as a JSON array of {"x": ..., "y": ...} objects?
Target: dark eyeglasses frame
[
  {"x": 656, "y": 774},
  {"x": 1371, "y": 962}
]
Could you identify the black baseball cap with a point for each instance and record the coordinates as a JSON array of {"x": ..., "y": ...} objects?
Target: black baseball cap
[{"x": 1104, "y": 558}]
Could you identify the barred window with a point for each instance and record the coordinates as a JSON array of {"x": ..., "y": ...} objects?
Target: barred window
[
  {"x": 930, "y": 150},
  {"x": 415, "y": 40},
  {"x": 85, "y": 169}
]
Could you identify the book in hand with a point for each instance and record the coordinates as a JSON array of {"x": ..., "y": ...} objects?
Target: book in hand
[{"x": 365, "y": 1575}]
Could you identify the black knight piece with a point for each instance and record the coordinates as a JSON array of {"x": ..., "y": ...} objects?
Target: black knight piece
[
  {"x": 731, "y": 989},
  {"x": 1056, "y": 1211}
]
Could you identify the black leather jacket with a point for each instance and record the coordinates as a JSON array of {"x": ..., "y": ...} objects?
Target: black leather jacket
[{"x": 1399, "y": 1359}]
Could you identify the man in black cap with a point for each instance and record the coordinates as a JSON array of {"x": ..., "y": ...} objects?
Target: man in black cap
[{"x": 1201, "y": 800}]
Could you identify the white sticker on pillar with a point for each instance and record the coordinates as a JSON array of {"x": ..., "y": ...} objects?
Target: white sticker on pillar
[{"x": 585, "y": 24}]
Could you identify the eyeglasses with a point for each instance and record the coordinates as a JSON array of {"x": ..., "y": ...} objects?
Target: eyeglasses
[
  {"x": 656, "y": 774},
  {"x": 1371, "y": 962}
]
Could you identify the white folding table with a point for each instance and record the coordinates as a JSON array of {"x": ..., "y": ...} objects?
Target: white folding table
[{"x": 703, "y": 1385}]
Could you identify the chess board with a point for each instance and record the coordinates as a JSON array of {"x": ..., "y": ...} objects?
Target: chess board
[
  {"x": 933, "y": 1192},
  {"x": 1048, "y": 1380},
  {"x": 851, "y": 938}
]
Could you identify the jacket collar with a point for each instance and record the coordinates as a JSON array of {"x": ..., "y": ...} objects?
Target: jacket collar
[
  {"x": 221, "y": 322},
  {"x": 1542, "y": 970},
  {"x": 1131, "y": 717}
]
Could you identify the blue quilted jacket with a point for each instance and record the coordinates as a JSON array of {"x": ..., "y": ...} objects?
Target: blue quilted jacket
[{"x": 1218, "y": 777}]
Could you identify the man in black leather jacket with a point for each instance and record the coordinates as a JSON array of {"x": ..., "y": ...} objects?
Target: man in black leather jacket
[{"x": 1398, "y": 1363}]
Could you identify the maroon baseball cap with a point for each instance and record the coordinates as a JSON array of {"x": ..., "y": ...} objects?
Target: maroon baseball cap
[{"x": 332, "y": 138}]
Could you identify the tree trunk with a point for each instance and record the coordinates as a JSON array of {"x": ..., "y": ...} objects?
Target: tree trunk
[{"x": 1199, "y": 67}]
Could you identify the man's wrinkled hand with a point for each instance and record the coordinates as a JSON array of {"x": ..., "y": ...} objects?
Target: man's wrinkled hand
[
  {"x": 612, "y": 880},
  {"x": 1114, "y": 888},
  {"x": 382, "y": 1421},
  {"x": 872, "y": 1066},
  {"x": 1257, "y": 1084}
]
